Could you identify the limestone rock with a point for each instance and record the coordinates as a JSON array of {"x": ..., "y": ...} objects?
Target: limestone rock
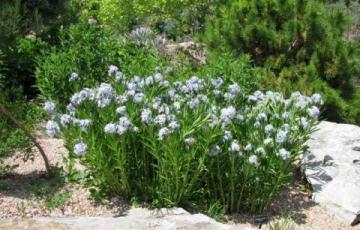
[
  {"x": 136, "y": 219},
  {"x": 332, "y": 167}
]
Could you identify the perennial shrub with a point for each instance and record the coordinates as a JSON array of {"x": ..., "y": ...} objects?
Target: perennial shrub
[{"x": 169, "y": 142}]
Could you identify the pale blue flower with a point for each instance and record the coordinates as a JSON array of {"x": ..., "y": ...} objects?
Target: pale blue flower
[
  {"x": 285, "y": 115},
  {"x": 296, "y": 95},
  {"x": 229, "y": 96},
  {"x": 240, "y": 117},
  {"x": 139, "y": 97},
  {"x": 164, "y": 108},
  {"x": 228, "y": 113},
  {"x": 146, "y": 116},
  {"x": 313, "y": 112},
  {"x": 214, "y": 121},
  {"x": 80, "y": 149},
  {"x": 73, "y": 77},
  {"x": 174, "y": 125},
  {"x": 83, "y": 124},
  {"x": 158, "y": 77},
  {"x": 52, "y": 129},
  {"x": 110, "y": 128},
  {"x": 131, "y": 86},
  {"x": 177, "y": 105},
  {"x": 82, "y": 96},
  {"x": 302, "y": 102},
  {"x": 269, "y": 129},
  {"x": 217, "y": 92},
  {"x": 50, "y": 107},
  {"x": 193, "y": 103},
  {"x": 121, "y": 110},
  {"x": 71, "y": 109},
  {"x": 164, "y": 132},
  {"x": 203, "y": 98},
  {"x": 248, "y": 148},
  {"x": 286, "y": 127},
  {"x": 304, "y": 123},
  {"x": 252, "y": 98},
  {"x": 259, "y": 95},
  {"x": 260, "y": 151},
  {"x": 234, "y": 89},
  {"x": 149, "y": 80},
  {"x": 119, "y": 76},
  {"x": 65, "y": 119},
  {"x": 316, "y": 98},
  {"x": 253, "y": 160},
  {"x": 165, "y": 83},
  {"x": 217, "y": 83},
  {"x": 168, "y": 70},
  {"x": 123, "y": 125},
  {"x": 122, "y": 99},
  {"x": 189, "y": 141},
  {"x": 227, "y": 136},
  {"x": 284, "y": 154},
  {"x": 281, "y": 136},
  {"x": 130, "y": 93},
  {"x": 234, "y": 146},
  {"x": 104, "y": 95},
  {"x": 262, "y": 117},
  {"x": 268, "y": 141},
  {"x": 112, "y": 70},
  {"x": 215, "y": 150},
  {"x": 160, "y": 119}
]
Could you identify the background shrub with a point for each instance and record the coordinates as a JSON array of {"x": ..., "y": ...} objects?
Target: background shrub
[
  {"x": 301, "y": 42},
  {"x": 85, "y": 50},
  {"x": 176, "y": 18}
]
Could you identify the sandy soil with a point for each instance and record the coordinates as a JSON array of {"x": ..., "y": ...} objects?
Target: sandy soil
[{"x": 18, "y": 198}]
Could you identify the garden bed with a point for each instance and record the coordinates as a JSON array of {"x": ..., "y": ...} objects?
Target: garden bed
[{"x": 21, "y": 196}]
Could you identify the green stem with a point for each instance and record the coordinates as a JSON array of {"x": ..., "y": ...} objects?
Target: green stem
[{"x": 220, "y": 183}]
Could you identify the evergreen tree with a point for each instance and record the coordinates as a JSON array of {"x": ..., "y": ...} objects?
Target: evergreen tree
[{"x": 300, "y": 41}]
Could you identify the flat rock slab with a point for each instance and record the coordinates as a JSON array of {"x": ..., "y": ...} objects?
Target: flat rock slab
[
  {"x": 332, "y": 167},
  {"x": 137, "y": 218}
]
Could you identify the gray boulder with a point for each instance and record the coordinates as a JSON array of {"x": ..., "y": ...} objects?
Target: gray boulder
[
  {"x": 332, "y": 167},
  {"x": 137, "y": 219}
]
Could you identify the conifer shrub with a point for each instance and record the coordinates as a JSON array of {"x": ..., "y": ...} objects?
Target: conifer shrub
[{"x": 300, "y": 42}]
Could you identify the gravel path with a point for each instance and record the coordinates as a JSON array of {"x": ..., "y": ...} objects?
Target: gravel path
[{"x": 18, "y": 196}]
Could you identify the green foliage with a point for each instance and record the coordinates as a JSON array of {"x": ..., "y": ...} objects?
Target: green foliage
[
  {"x": 301, "y": 42},
  {"x": 176, "y": 18},
  {"x": 24, "y": 26},
  {"x": 232, "y": 69},
  {"x": 84, "y": 49},
  {"x": 11, "y": 137},
  {"x": 57, "y": 200},
  {"x": 285, "y": 223}
]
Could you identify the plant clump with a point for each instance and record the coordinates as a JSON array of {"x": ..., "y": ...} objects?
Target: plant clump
[{"x": 177, "y": 142}]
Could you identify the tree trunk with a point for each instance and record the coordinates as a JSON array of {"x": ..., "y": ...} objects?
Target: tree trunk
[{"x": 28, "y": 134}]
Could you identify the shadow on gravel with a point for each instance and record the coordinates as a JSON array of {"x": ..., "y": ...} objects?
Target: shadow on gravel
[
  {"x": 288, "y": 204},
  {"x": 34, "y": 184}
]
